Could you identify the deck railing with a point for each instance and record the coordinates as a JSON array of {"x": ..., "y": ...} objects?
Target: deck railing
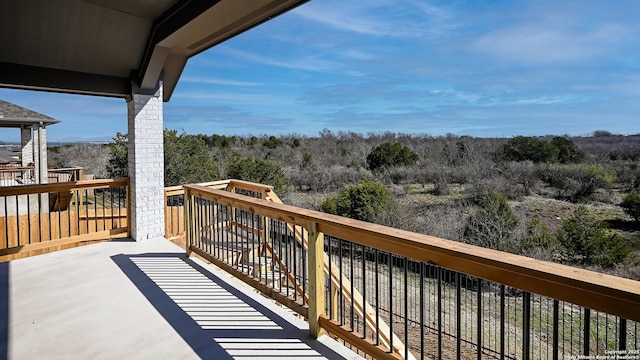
[
  {"x": 16, "y": 175},
  {"x": 41, "y": 218},
  {"x": 397, "y": 294},
  {"x": 174, "y": 202},
  {"x": 65, "y": 175},
  {"x": 13, "y": 175}
]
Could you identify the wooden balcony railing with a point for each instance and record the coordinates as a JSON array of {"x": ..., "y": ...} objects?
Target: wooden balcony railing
[
  {"x": 397, "y": 294},
  {"x": 16, "y": 175},
  {"x": 41, "y": 218},
  {"x": 13, "y": 175},
  {"x": 65, "y": 175},
  {"x": 174, "y": 201}
]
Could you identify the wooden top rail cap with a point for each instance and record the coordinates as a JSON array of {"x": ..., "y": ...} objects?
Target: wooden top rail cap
[
  {"x": 61, "y": 187},
  {"x": 65, "y": 169},
  {"x": 611, "y": 294},
  {"x": 248, "y": 185},
  {"x": 15, "y": 168},
  {"x": 179, "y": 189}
]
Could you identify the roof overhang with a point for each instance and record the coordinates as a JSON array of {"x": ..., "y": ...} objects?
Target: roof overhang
[
  {"x": 12, "y": 115},
  {"x": 106, "y": 47},
  {"x": 18, "y": 123}
]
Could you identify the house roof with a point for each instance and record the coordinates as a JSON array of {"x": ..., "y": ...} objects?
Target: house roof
[
  {"x": 12, "y": 115},
  {"x": 106, "y": 47}
]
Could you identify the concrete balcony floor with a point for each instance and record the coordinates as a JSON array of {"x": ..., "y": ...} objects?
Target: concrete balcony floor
[{"x": 142, "y": 300}]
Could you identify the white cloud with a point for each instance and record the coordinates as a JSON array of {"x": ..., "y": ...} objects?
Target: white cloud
[
  {"x": 214, "y": 81},
  {"x": 235, "y": 98},
  {"x": 411, "y": 19},
  {"x": 544, "y": 42},
  {"x": 336, "y": 17},
  {"x": 307, "y": 63}
]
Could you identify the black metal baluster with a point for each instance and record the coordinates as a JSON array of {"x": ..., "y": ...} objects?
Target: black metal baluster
[
  {"x": 341, "y": 286},
  {"x": 304, "y": 262},
  {"x": 260, "y": 235},
  {"x": 273, "y": 261},
  {"x": 479, "y": 318},
  {"x": 502, "y": 319},
  {"x": 196, "y": 226},
  {"x": 227, "y": 215},
  {"x": 377, "y": 280},
  {"x": 556, "y": 320},
  {"x": 390, "y": 281},
  {"x": 353, "y": 278},
  {"x": 587, "y": 331},
  {"x": 406, "y": 310},
  {"x": 213, "y": 225},
  {"x": 215, "y": 208},
  {"x": 547, "y": 326},
  {"x": 526, "y": 325},
  {"x": 623, "y": 335},
  {"x": 280, "y": 266},
  {"x": 606, "y": 331},
  {"x": 220, "y": 218},
  {"x": 422, "y": 265},
  {"x": 440, "y": 313},
  {"x": 571, "y": 327},
  {"x": 287, "y": 261},
  {"x": 208, "y": 223},
  {"x": 364, "y": 293},
  {"x": 458, "y": 317},
  {"x": 330, "y": 257}
]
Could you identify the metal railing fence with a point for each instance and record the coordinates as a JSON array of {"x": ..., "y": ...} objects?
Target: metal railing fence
[{"x": 397, "y": 294}]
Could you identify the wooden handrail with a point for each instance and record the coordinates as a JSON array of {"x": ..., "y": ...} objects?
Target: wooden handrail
[
  {"x": 65, "y": 169},
  {"x": 250, "y": 186},
  {"x": 15, "y": 168},
  {"x": 597, "y": 291},
  {"x": 61, "y": 187},
  {"x": 179, "y": 190},
  {"x": 229, "y": 183}
]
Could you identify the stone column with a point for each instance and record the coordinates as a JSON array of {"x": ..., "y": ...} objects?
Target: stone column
[
  {"x": 36, "y": 154},
  {"x": 26, "y": 143},
  {"x": 146, "y": 163},
  {"x": 26, "y": 146},
  {"x": 40, "y": 148}
]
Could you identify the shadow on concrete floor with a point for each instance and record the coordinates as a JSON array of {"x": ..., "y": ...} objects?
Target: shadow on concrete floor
[{"x": 217, "y": 320}]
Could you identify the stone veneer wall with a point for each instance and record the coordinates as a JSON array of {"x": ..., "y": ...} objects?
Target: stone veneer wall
[{"x": 146, "y": 164}]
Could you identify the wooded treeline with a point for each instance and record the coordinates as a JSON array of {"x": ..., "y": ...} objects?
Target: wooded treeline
[{"x": 568, "y": 199}]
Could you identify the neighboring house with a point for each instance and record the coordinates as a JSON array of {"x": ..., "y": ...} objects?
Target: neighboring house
[{"x": 33, "y": 143}]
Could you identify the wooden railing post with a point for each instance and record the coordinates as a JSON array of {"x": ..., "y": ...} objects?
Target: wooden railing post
[
  {"x": 316, "y": 279},
  {"x": 231, "y": 221},
  {"x": 167, "y": 219},
  {"x": 127, "y": 199},
  {"x": 188, "y": 220}
]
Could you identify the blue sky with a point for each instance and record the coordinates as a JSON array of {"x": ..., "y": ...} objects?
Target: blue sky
[{"x": 480, "y": 68}]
